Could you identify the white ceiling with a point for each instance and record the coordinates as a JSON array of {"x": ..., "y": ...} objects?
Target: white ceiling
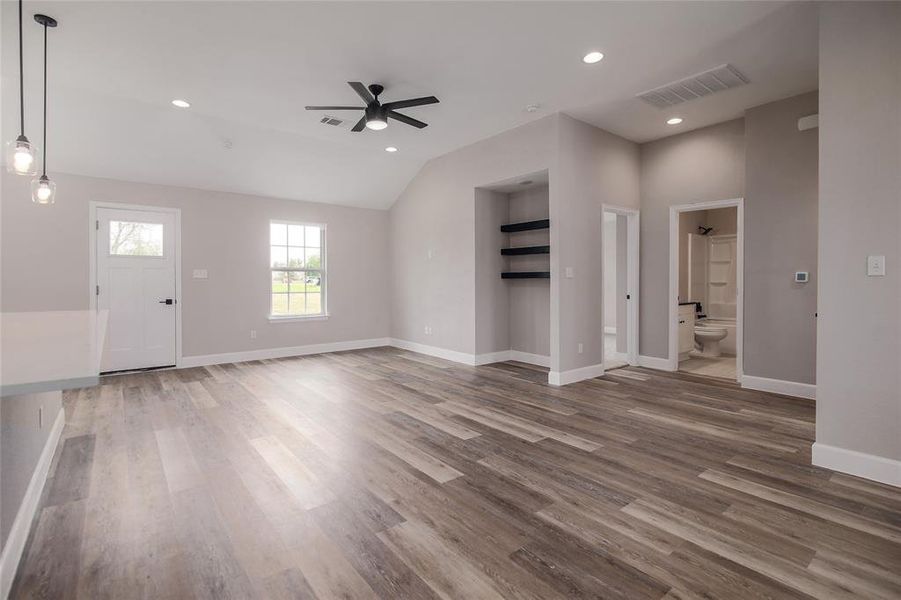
[{"x": 249, "y": 68}]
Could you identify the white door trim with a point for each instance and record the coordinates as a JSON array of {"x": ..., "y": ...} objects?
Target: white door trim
[
  {"x": 633, "y": 226},
  {"x": 93, "y": 205},
  {"x": 674, "y": 212}
]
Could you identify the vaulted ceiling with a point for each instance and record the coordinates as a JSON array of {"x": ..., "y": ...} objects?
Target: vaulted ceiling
[{"x": 249, "y": 68}]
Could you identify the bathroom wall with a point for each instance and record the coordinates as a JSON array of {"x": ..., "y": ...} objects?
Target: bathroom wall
[{"x": 781, "y": 221}]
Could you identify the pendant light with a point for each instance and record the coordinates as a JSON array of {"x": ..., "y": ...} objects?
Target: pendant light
[
  {"x": 43, "y": 190},
  {"x": 20, "y": 154}
]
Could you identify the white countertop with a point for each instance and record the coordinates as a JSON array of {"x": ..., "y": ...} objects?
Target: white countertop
[{"x": 48, "y": 351}]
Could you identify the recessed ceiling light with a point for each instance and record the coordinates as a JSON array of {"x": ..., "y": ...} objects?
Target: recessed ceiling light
[
  {"x": 592, "y": 57},
  {"x": 674, "y": 121},
  {"x": 181, "y": 103},
  {"x": 390, "y": 149}
]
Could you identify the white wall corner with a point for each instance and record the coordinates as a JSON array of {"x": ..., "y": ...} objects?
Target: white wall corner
[
  {"x": 574, "y": 375},
  {"x": 285, "y": 352},
  {"x": 779, "y": 386},
  {"x": 868, "y": 466},
  {"x": 653, "y": 362},
  {"x": 18, "y": 533},
  {"x": 451, "y": 355}
]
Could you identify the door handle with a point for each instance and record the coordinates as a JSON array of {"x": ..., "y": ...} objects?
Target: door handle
[{"x": 167, "y": 301}]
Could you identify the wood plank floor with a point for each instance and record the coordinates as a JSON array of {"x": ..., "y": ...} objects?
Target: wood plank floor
[{"x": 388, "y": 474}]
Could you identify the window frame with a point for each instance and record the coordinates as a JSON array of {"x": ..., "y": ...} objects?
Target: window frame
[{"x": 323, "y": 275}]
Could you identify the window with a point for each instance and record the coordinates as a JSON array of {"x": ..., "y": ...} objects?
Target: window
[
  {"x": 297, "y": 265},
  {"x": 129, "y": 238}
]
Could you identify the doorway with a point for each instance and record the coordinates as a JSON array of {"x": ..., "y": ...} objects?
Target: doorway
[
  {"x": 706, "y": 285},
  {"x": 135, "y": 276},
  {"x": 619, "y": 277}
]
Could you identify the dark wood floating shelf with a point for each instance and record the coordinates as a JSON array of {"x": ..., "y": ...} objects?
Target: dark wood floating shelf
[
  {"x": 526, "y": 226},
  {"x": 527, "y": 275},
  {"x": 526, "y": 250}
]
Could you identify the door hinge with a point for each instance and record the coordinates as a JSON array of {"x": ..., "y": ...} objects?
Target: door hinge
[
  {"x": 97, "y": 225},
  {"x": 97, "y": 290}
]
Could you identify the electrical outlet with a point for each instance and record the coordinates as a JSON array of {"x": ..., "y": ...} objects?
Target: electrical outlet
[
  {"x": 876, "y": 266},
  {"x": 568, "y": 272},
  {"x": 253, "y": 334},
  {"x": 428, "y": 330},
  {"x": 200, "y": 274},
  {"x": 581, "y": 347}
]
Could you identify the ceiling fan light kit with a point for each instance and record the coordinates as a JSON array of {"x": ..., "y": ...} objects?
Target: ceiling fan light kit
[{"x": 376, "y": 114}]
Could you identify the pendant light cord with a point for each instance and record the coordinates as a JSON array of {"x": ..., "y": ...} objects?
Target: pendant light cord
[
  {"x": 21, "y": 78},
  {"x": 44, "y": 173}
]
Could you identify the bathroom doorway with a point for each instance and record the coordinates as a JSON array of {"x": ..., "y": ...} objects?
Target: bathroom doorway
[
  {"x": 619, "y": 277},
  {"x": 706, "y": 242}
]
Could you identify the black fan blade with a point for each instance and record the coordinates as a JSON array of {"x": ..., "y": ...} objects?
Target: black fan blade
[
  {"x": 405, "y": 119},
  {"x": 411, "y": 103},
  {"x": 335, "y": 107},
  {"x": 361, "y": 90},
  {"x": 361, "y": 124}
]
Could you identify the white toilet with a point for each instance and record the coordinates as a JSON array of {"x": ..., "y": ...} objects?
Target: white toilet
[{"x": 709, "y": 337}]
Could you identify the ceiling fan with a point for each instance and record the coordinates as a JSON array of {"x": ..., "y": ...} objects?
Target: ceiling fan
[{"x": 377, "y": 114}]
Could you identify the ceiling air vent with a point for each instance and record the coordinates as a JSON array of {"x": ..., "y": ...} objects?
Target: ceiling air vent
[
  {"x": 330, "y": 121},
  {"x": 723, "y": 77}
]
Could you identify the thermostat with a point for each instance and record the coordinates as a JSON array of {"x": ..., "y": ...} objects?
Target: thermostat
[{"x": 802, "y": 277}]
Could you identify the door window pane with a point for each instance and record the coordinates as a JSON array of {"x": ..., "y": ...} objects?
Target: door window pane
[{"x": 129, "y": 238}]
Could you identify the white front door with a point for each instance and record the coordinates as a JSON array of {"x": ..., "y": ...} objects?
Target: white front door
[{"x": 136, "y": 283}]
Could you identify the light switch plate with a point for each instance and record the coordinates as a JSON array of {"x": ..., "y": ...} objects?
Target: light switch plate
[
  {"x": 200, "y": 274},
  {"x": 875, "y": 266}
]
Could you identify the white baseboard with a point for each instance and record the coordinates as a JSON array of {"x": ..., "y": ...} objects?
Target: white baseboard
[
  {"x": 653, "y": 362},
  {"x": 18, "y": 533},
  {"x": 452, "y": 355},
  {"x": 491, "y": 357},
  {"x": 540, "y": 360},
  {"x": 869, "y": 466},
  {"x": 610, "y": 330},
  {"x": 574, "y": 375},
  {"x": 230, "y": 357},
  {"x": 779, "y": 386}
]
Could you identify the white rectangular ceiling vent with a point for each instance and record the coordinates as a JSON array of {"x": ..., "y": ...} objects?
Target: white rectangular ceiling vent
[
  {"x": 723, "y": 77},
  {"x": 327, "y": 120}
]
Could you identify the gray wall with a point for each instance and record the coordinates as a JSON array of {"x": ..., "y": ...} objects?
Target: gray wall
[
  {"x": 781, "y": 221},
  {"x": 594, "y": 167},
  {"x": 225, "y": 233},
  {"x": 858, "y": 346},
  {"x": 21, "y": 444},
  {"x": 493, "y": 300},
  {"x": 432, "y": 228},
  {"x": 530, "y": 299},
  {"x": 701, "y": 165}
]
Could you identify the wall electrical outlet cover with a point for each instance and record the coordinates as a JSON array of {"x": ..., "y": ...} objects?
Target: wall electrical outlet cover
[{"x": 875, "y": 266}]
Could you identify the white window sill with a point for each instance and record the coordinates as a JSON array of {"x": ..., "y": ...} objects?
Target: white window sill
[{"x": 298, "y": 318}]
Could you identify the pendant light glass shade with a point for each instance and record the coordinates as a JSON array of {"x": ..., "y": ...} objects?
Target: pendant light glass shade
[
  {"x": 43, "y": 190},
  {"x": 20, "y": 157}
]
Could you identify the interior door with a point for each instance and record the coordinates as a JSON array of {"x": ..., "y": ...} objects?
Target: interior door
[{"x": 136, "y": 283}]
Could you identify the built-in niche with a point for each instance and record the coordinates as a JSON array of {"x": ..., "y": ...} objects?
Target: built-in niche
[{"x": 513, "y": 268}]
